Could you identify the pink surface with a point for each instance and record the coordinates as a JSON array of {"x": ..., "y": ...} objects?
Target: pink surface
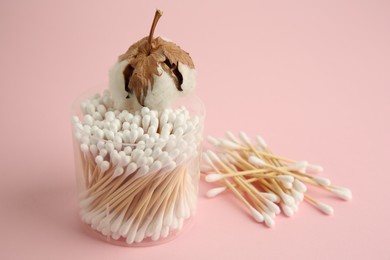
[{"x": 312, "y": 77}]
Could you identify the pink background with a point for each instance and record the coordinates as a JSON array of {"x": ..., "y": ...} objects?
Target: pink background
[{"x": 312, "y": 77}]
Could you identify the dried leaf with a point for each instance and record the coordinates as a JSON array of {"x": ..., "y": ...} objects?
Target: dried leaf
[{"x": 145, "y": 60}]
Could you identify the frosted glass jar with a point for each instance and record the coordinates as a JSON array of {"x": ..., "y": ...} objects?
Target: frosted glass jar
[{"x": 137, "y": 173}]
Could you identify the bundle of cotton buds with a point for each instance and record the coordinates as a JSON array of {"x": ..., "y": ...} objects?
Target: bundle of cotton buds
[
  {"x": 139, "y": 170},
  {"x": 267, "y": 184}
]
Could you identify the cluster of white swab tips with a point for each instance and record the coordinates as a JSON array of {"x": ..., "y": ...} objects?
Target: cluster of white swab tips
[
  {"x": 267, "y": 184},
  {"x": 146, "y": 138}
]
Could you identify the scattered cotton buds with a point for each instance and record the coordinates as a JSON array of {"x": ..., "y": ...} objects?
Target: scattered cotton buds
[{"x": 267, "y": 184}]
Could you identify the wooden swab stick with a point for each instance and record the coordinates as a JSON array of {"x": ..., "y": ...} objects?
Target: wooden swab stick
[{"x": 125, "y": 190}]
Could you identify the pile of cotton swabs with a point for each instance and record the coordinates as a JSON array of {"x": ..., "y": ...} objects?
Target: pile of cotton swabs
[{"x": 267, "y": 184}]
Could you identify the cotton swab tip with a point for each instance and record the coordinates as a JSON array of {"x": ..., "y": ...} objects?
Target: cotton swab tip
[
  {"x": 244, "y": 138},
  {"x": 231, "y": 136},
  {"x": 322, "y": 181},
  {"x": 84, "y": 148},
  {"x": 344, "y": 194},
  {"x": 214, "y": 177},
  {"x": 256, "y": 161},
  {"x": 271, "y": 196},
  {"x": 261, "y": 141},
  {"x": 214, "y": 192},
  {"x": 298, "y": 166},
  {"x": 207, "y": 159},
  {"x": 288, "y": 211},
  {"x": 269, "y": 222},
  {"x": 213, "y": 141},
  {"x": 257, "y": 215},
  {"x": 118, "y": 171},
  {"x": 285, "y": 178},
  {"x": 312, "y": 168},
  {"x": 273, "y": 207},
  {"x": 289, "y": 200},
  {"x": 213, "y": 156},
  {"x": 299, "y": 186},
  {"x": 104, "y": 166},
  {"x": 328, "y": 210},
  {"x": 230, "y": 145}
]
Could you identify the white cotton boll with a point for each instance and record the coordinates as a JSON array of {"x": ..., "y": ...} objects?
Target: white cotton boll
[
  {"x": 164, "y": 91},
  {"x": 189, "y": 79},
  {"x": 117, "y": 88}
]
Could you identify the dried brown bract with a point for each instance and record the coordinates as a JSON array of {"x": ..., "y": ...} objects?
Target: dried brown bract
[{"x": 144, "y": 58}]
